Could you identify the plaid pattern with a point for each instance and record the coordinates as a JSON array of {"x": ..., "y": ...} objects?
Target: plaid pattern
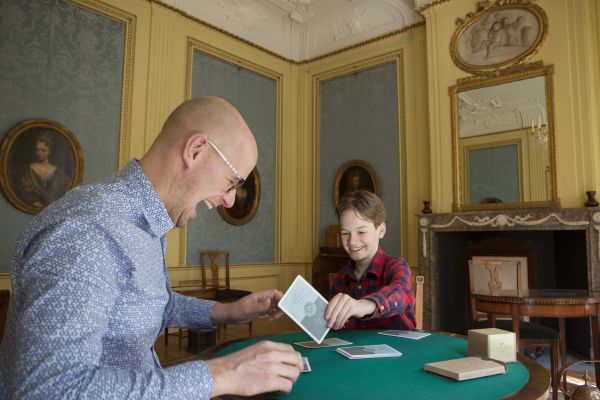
[{"x": 385, "y": 282}]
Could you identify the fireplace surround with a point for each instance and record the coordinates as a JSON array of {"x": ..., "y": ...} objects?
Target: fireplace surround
[{"x": 564, "y": 238}]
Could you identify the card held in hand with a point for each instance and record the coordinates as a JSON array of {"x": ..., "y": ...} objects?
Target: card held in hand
[
  {"x": 305, "y": 365},
  {"x": 306, "y": 307}
]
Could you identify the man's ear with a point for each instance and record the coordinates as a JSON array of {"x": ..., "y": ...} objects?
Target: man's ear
[
  {"x": 193, "y": 148},
  {"x": 381, "y": 230}
]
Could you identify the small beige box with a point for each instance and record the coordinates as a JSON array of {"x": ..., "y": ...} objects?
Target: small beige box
[{"x": 493, "y": 343}]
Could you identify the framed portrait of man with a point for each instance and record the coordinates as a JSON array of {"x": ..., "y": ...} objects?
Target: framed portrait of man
[
  {"x": 41, "y": 160},
  {"x": 247, "y": 198},
  {"x": 354, "y": 175}
]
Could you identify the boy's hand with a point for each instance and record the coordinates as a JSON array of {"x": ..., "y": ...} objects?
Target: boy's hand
[{"x": 342, "y": 307}]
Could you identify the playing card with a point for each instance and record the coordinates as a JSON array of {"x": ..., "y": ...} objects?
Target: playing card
[
  {"x": 305, "y": 365},
  {"x": 368, "y": 351},
  {"x": 306, "y": 307},
  {"x": 329, "y": 342},
  {"x": 405, "y": 334}
]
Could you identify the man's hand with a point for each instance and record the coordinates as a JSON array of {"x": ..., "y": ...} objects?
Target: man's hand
[
  {"x": 249, "y": 308},
  {"x": 263, "y": 367},
  {"x": 342, "y": 307}
]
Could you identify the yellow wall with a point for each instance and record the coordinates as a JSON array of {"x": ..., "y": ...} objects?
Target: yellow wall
[{"x": 572, "y": 47}]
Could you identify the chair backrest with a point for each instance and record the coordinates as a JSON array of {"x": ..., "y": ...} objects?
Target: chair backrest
[
  {"x": 329, "y": 261},
  {"x": 4, "y": 300},
  {"x": 213, "y": 260},
  {"x": 418, "y": 289},
  {"x": 494, "y": 274}
]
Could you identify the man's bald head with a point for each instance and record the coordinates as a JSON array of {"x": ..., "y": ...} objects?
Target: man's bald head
[
  {"x": 185, "y": 168},
  {"x": 213, "y": 116}
]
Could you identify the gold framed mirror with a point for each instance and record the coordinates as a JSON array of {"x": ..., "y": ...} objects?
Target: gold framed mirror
[{"x": 503, "y": 140}]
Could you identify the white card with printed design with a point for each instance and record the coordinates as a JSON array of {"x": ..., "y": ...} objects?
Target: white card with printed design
[
  {"x": 405, "y": 334},
  {"x": 329, "y": 342},
  {"x": 306, "y": 307}
]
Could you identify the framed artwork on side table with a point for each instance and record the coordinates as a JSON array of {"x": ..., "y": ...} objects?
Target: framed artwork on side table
[
  {"x": 354, "y": 175},
  {"x": 41, "y": 160},
  {"x": 499, "y": 35},
  {"x": 247, "y": 199}
]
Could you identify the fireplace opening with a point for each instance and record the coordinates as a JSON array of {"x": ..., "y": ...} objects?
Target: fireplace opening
[{"x": 559, "y": 261}]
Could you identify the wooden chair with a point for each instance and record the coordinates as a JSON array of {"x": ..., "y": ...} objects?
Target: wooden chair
[
  {"x": 4, "y": 299},
  {"x": 497, "y": 274},
  {"x": 329, "y": 261},
  {"x": 418, "y": 291},
  {"x": 224, "y": 293}
]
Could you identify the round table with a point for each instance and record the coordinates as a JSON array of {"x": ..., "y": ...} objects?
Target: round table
[{"x": 334, "y": 376}]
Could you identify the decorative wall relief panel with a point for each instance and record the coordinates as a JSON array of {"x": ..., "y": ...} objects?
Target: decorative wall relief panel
[
  {"x": 65, "y": 63},
  {"x": 255, "y": 96}
]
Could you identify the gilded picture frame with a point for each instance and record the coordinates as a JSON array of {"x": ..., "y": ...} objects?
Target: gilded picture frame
[
  {"x": 41, "y": 160},
  {"x": 354, "y": 175},
  {"x": 500, "y": 35},
  {"x": 247, "y": 200}
]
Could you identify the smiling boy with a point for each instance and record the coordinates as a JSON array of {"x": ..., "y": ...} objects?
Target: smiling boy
[{"x": 373, "y": 290}]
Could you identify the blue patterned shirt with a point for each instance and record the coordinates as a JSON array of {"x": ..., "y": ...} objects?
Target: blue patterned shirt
[{"x": 90, "y": 297}]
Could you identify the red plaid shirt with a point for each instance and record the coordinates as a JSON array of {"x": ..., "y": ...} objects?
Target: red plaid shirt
[{"x": 385, "y": 282}]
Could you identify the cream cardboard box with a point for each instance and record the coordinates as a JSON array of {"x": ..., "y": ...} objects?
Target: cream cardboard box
[{"x": 493, "y": 343}]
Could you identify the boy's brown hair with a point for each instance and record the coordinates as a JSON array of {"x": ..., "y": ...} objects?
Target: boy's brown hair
[{"x": 365, "y": 204}]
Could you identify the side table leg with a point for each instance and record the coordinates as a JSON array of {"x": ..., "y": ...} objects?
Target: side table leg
[
  {"x": 515, "y": 325},
  {"x": 563, "y": 342},
  {"x": 595, "y": 324}
]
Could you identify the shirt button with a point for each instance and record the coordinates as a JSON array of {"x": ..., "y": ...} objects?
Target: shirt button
[
  {"x": 359, "y": 286},
  {"x": 381, "y": 308}
]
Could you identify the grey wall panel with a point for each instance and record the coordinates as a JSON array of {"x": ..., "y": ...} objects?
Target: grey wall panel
[
  {"x": 64, "y": 63},
  {"x": 359, "y": 120},
  {"x": 494, "y": 174},
  {"x": 255, "y": 97}
]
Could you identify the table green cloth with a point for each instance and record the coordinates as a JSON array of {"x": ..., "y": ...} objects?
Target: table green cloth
[{"x": 334, "y": 376}]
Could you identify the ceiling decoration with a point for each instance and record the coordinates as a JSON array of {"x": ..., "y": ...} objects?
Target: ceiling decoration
[{"x": 304, "y": 29}]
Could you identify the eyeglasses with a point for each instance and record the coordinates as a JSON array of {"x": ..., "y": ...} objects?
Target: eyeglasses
[{"x": 241, "y": 180}]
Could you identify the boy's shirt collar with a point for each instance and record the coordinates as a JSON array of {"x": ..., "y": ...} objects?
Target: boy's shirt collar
[{"x": 375, "y": 267}]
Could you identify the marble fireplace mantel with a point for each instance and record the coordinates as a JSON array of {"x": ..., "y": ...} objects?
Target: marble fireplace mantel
[{"x": 540, "y": 219}]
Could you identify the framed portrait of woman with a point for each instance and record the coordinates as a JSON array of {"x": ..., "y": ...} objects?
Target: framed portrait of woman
[
  {"x": 41, "y": 160},
  {"x": 498, "y": 35},
  {"x": 354, "y": 175},
  {"x": 247, "y": 198}
]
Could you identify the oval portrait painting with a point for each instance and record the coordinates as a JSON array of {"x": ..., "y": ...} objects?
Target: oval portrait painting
[
  {"x": 247, "y": 198},
  {"x": 41, "y": 160},
  {"x": 354, "y": 175}
]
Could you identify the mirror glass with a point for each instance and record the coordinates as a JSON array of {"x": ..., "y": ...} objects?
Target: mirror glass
[{"x": 504, "y": 141}]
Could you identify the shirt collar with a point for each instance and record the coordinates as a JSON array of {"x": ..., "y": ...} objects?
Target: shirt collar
[
  {"x": 375, "y": 268},
  {"x": 154, "y": 210}
]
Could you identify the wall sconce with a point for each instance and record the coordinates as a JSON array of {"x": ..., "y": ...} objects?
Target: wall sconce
[{"x": 539, "y": 132}]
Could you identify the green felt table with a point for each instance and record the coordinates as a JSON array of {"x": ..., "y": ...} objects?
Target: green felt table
[{"x": 334, "y": 376}]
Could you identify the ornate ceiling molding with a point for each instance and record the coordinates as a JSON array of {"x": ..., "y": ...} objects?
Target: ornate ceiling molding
[{"x": 300, "y": 30}]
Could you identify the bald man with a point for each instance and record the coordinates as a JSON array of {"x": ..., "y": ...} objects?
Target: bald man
[{"x": 90, "y": 285}]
